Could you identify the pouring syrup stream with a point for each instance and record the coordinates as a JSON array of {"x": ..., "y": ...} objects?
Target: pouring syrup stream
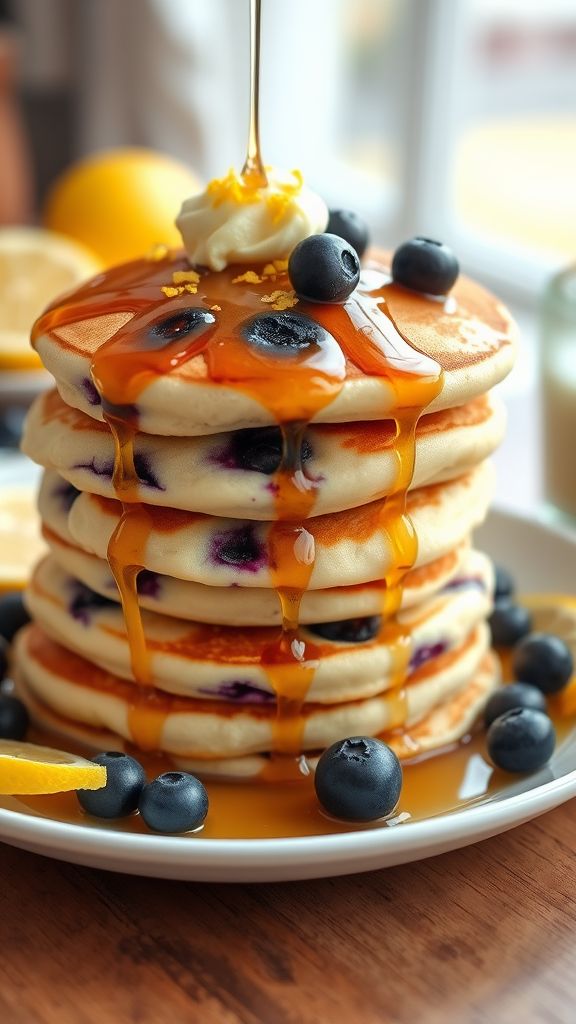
[{"x": 253, "y": 169}]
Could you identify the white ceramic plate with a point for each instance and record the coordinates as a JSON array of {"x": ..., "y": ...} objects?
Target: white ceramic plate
[{"x": 542, "y": 558}]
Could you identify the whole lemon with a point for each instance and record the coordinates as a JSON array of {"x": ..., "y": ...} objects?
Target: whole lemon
[{"x": 120, "y": 203}]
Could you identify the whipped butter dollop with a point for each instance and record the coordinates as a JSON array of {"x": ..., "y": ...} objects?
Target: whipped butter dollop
[{"x": 236, "y": 220}]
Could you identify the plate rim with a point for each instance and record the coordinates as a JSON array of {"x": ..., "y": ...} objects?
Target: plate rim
[{"x": 437, "y": 829}]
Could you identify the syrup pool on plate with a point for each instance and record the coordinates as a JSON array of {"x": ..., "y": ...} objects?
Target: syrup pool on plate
[
  {"x": 438, "y": 784},
  {"x": 446, "y": 782}
]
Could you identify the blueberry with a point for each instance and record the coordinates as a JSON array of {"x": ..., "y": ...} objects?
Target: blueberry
[
  {"x": 193, "y": 320},
  {"x": 86, "y": 601},
  {"x": 504, "y": 586},
  {"x": 514, "y": 695},
  {"x": 349, "y": 631},
  {"x": 241, "y": 693},
  {"x": 126, "y": 412},
  {"x": 324, "y": 268},
  {"x": 349, "y": 226},
  {"x": 521, "y": 740},
  {"x": 283, "y": 333},
  {"x": 425, "y": 265},
  {"x": 174, "y": 802},
  {"x": 124, "y": 783},
  {"x": 14, "y": 718},
  {"x": 358, "y": 779},
  {"x": 149, "y": 584},
  {"x": 260, "y": 449},
  {"x": 509, "y": 623},
  {"x": 67, "y": 493},
  {"x": 13, "y": 614},
  {"x": 239, "y": 547},
  {"x": 544, "y": 661},
  {"x": 145, "y": 473},
  {"x": 90, "y": 391},
  {"x": 3, "y": 657}
]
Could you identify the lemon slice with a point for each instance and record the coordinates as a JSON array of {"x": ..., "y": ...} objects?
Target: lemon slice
[
  {"x": 35, "y": 266},
  {"x": 20, "y": 542},
  {"x": 26, "y": 768}
]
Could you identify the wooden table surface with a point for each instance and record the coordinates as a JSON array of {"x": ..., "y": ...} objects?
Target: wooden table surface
[{"x": 486, "y": 934}]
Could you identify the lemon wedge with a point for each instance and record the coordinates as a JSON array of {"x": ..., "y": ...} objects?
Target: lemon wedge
[
  {"x": 26, "y": 768},
  {"x": 21, "y": 544},
  {"x": 35, "y": 267}
]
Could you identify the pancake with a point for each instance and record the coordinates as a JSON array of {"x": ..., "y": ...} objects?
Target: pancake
[
  {"x": 220, "y": 662},
  {"x": 350, "y": 464},
  {"x": 243, "y": 606},
  {"x": 470, "y": 336},
  {"x": 447, "y": 723},
  {"x": 177, "y": 389},
  {"x": 210, "y": 730},
  {"x": 351, "y": 547}
]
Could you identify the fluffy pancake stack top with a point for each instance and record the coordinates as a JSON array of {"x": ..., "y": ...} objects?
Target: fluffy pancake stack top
[{"x": 263, "y": 466}]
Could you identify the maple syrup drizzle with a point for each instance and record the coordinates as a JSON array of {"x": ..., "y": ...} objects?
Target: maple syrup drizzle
[
  {"x": 120, "y": 371},
  {"x": 291, "y": 662},
  {"x": 379, "y": 348},
  {"x": 146, "y": 724},
  {"x": 311, "y": 381}
]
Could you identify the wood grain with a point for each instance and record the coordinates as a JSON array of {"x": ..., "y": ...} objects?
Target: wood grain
[{"x": 486, "y": 935}]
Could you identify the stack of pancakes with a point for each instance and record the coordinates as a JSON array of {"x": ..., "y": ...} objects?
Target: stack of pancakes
[{"x": 206, "y": 458}]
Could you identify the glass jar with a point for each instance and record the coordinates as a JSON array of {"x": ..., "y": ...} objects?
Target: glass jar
[{"x": 558, "y": 362}]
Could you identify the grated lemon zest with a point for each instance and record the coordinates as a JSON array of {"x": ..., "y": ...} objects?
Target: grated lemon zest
[
  {"x": 277, "y": 267},
  {"x": 280, "y": 299},
  {"x": 251, "y": 277},
  {"x": 172, "y": 291},
  {"x": 183, "y": 276},
  {"x": 234, "y": 188}
]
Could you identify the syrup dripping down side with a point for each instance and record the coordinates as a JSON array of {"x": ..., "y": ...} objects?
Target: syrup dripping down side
[
  {"x": 121, "y": 370},
  {"x": 294, "y": 389},
  {"x": 379, "y": 348},
  {"x": 253, "y": 170}
]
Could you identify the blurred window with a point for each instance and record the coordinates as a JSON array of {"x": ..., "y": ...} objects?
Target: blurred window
[
  {"x": 332, "y": 75},
  {"x": 455, "y": 118},
  {"x": 450, "y": 117},
  {"x": 514, "y": 168}
]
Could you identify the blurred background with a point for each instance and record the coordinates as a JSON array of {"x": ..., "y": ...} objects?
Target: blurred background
[{"x": 452, "y": 118}]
